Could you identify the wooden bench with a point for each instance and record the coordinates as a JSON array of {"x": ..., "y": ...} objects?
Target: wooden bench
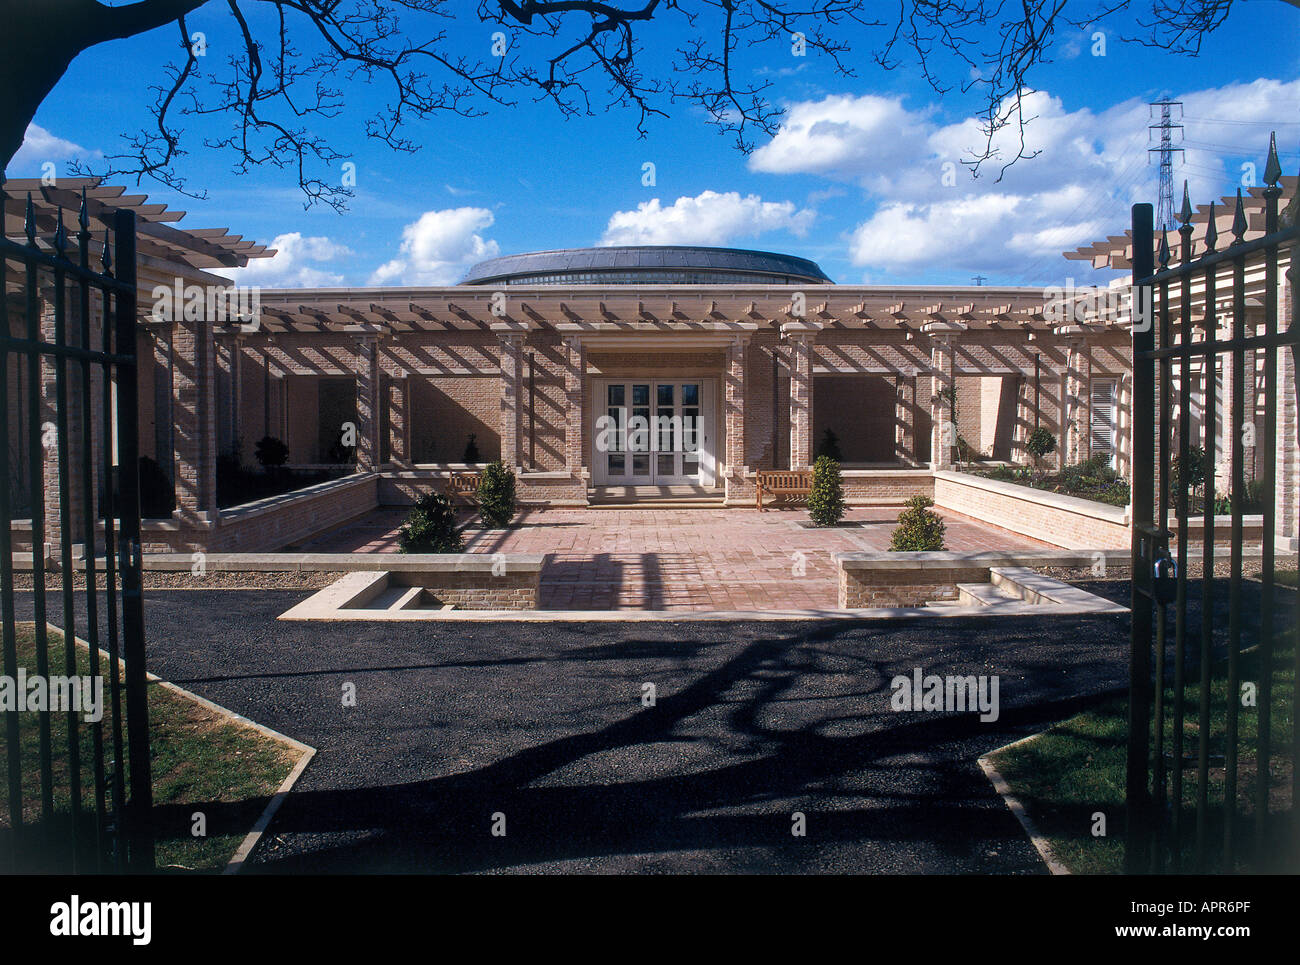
[
  {"x": 463, "y": 485},
  {"x": 783, "y": 482}
]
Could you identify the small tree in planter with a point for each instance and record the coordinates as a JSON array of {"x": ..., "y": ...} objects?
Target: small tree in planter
[
  {"x": 826, "y": 499},
  {"x": 1040, "y": 444},
  {"x": 431, "y": 527},
  {"x": 471, "y": 456},
  {"x": 496, "y": 495},
  {"x": 919, "y": 529}
]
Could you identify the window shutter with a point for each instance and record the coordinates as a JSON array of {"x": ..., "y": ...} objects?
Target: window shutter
[{"x": 1103, "y": 419}]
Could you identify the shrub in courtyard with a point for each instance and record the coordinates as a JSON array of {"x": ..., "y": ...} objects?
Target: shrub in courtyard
[
  {"x": 919, "y": 529},
  {"x": 496, "y": 495},
  {"x": 826, "y": 499},
  {"x": 271, "y": 453},
  {"x": 430, "y": 527},
  {"x": 830, "y": 446},
  {"x": 471, "y": 456},
  {"x": 1040, "y": 444},
  {"x": 1193, "y": 475}
]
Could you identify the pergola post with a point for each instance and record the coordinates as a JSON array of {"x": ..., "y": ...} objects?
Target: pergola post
[
  {"x": 905, "y": 418},
  {"x": 194, "y": 418},
  {"x": 367, "y": 369},
  {"x": 397, "y": 399},
  {"x": 943, "y": 434},
  {"x": 575, "y": 375},
  {"x": 1077, "y": 416},
  {"x": 511, "y": 369},
  {"x": 734, "y": 416}
]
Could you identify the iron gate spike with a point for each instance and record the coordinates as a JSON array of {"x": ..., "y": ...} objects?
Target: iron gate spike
[
  {"x": 60, "y": 234},
  {"x": 1239, "y": 219},
  {"x": 1164, "y": 247},
  {"x": 1272, "y": 167},
  {"x": 83, "y": 216},
  {"x": 1185, "y": 215},
  {"x": 1211, "y": 231}
]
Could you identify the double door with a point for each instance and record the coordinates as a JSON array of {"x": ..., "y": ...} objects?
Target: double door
[{"x": 654, "y": 433}]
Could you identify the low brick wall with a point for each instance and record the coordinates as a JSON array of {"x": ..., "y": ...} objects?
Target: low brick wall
[
  {"x": 271, "y": 524},
  {"x": 1065, "y": 521},
  {"x": 869, "y": 580},
  {"x": 480, "y": 591},
  {"x": 404, "y": 487},
  {"x": 378, "y": 586},
  {"x": 862, "y": 487}
]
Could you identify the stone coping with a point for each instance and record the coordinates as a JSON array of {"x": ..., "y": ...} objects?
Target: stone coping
[
  {"x": 885, "y": 560},
  {"x": 261, "y": 506},
  {"x": 1072, "y": 504},
  {"x": 438, "y": 471},
  {"x": 350, "y": 562}
]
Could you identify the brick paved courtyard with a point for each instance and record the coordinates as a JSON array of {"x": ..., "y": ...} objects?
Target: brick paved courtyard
[{"x": 688, "y": 559}]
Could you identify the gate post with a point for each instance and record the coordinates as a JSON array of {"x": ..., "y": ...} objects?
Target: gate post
[
  {"x": 1138, "y": 805},
  {"x": 140, "y": 812}
]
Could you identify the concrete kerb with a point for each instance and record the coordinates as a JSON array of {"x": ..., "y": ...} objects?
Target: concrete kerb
[
  {"x": 1017, "y": 807},
  {"x": 306, "y": 753}
]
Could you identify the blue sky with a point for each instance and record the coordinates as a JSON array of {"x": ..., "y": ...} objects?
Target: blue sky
[{"x": 854, "y": 180}]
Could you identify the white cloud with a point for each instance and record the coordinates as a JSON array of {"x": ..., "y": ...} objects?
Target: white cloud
[
  {"x": 709, "y": 218},
  {"x": 1090, "y": 167},
  {"x": 294, "y": 264},
  {"x": 438, "y": 248},
  {"x": 39, "y": 146}
]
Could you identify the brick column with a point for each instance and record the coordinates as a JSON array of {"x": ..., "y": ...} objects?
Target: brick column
[
  {"x": 397, "y": 398},
  {"x": 1077, "y": 415},
  {"x": 1024, "y": 418},
  {"x": 734, "y": 416},
  {"x": 367, "y": 369},
  {"x": 575, "y": 375},
  {"x": 512, "y": 345},
  {"x": 50, "y": 437},
  {"x": 162, "y": 396},
  {"x": 943, "y": 435},
  {"x": 801, "y": 401},
  {"x": 905, "y": 418},
  {"x": 194, "y": 417}
]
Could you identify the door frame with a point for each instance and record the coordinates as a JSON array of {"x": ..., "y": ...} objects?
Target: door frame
[{"x": 708, "y": 475}]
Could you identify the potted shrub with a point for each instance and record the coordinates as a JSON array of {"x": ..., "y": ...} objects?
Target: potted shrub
[
  {"x": 431, "y": 527},
  {"x": 471, "y": 456},
  {"x": 496, "y": 495},
  {"x": 826, "y": 498},
  {"x": 919, "y": 529}
]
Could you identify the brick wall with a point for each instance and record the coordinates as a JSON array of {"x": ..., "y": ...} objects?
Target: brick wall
[{"x": 1061, "y": 520}]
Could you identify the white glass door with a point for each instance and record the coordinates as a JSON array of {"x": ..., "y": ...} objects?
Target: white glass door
[{"x": 653, "y": 433}]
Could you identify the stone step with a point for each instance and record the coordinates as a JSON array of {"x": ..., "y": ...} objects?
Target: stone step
[{"x": 984, "y": 594}]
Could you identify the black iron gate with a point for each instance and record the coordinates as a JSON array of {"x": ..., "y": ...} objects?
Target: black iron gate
[
  {"x": 79, "y": 791},
  {"x": 1204, "y": 793}
]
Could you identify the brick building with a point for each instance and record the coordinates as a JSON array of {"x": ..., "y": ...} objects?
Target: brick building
[{"x": 615, "y": 374}]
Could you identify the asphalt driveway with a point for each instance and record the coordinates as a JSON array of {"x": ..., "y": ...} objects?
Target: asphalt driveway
[{"x": 549, "y": 726}]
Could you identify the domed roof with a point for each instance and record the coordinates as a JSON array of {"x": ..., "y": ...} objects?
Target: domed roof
[{"x": 647, "y": 264}]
